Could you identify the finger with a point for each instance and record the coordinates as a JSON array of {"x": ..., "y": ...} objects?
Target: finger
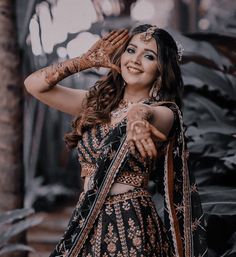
[
  {"x": 148, "y": 148},
  {"x": 157, "y": 133},
  {"x": 109, "y": 34},
  {"x": 118, "y": 33},
  {"x": 140, "y": 148},
  {"x": 122, "y": 41},
  {"x": 132, "y": 147},
  {"x": 152, "y": 147},
  {"x": 120, "y": 38},
  {"x": 144, "y": 135}
]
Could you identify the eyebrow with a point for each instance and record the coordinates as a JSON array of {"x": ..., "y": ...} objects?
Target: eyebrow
[{"x": 146, "y": 49}]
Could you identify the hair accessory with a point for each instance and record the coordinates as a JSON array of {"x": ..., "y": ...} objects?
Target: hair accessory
[
  {"x": 147, "y": 35},
  {"x": 180, "y": 50}
]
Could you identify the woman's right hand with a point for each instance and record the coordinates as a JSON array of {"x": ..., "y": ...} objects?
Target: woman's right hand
[
  {"x": 99, "y": 55},
  {"x": 41, "y": 82}
]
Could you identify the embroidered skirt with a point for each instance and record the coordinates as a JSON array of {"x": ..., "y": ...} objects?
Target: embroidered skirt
[{"x": 128, "y": 226}]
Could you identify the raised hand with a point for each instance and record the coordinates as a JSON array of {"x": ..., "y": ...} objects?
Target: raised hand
[
  {"x": 141, "y": 134},
  {"x": 99, "y": 55}
]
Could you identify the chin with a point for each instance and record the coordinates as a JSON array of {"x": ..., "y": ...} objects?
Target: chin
[{"x": 131, "y": 80}]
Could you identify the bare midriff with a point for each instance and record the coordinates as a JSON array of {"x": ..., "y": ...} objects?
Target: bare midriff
[{"x": 117, "y": 188}]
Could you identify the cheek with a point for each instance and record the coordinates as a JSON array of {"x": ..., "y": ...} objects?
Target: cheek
[
  {"x": 123, "y": 59},
  {"x": 123, "y": 62},
  {"x": 153, "y": 70}
]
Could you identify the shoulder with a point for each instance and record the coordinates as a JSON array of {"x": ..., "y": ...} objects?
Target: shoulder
[{"x": 163, "y": 118}]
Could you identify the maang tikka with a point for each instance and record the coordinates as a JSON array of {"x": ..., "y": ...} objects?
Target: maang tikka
[{"x": 147, "y": 35}]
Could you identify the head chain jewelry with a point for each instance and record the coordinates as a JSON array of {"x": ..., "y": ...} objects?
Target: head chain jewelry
[
  {"x": 180, "y": 50},
  {"x": 147, "y": 35}
]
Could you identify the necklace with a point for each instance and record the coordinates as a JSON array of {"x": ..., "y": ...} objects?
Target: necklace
[{"x": 121, "y": 109}]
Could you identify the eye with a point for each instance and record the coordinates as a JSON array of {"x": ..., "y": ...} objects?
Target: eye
[
  {"x": 130, "y": 50},
  {"x": 150, "y": 57}
]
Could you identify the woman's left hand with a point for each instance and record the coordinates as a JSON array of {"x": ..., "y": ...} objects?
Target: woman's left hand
[{"x": 141, "y": 134}]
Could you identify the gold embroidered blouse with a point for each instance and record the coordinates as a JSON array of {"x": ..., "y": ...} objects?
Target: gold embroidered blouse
[{"x": 135, "y": 172}]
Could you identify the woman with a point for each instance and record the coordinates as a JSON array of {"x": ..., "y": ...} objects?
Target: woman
[{"x": 128, "y": 131}]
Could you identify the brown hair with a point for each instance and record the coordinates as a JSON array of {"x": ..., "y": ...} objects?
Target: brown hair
[
  {"x": 102, "y": 98},
  {"x": 107, "y": 92}
]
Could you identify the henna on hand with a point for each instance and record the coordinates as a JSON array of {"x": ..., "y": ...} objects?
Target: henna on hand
[
  {"x": 99, "y": 55},
  {"x": 141, "y": 133},
  {"x": 56, "y": 72}
]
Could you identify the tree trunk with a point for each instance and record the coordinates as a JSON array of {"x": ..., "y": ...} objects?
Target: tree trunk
[
  {"x": 10, "y": 112},
  {"x": 11, "y": 159}
]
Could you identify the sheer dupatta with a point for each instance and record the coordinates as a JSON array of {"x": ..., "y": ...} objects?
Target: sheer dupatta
[
  {"x": 183, "y": 213},
  {"x": 183, "y": 216}
]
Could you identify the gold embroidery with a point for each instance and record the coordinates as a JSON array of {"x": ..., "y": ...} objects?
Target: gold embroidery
[
  {"x": 138, "y": 213},
  {"x": 194, "y": 188},
  {"x": 111, "y": 239},
  {"x": 98, "y": 237},
  {"x": 144, "y": 202},
  {"x": 121, "y": 230},
  {"x": 108, "y": 209},
  {"x": 179, "y": 208},
  {"x": 159, "y": 244},
  {"x": 151, "y": 231},
  {"x": 134, "y": 179},
  {"x": 126, "y": 205},
  {"x": 195, "y": 224},
  {"x": 81, "y": 222},
  {"x": 134, "y": 233},
  {"x": 133, "y": 252},
  {"x": 87, "y": 169},
  {"x": 112, "y": 199}
]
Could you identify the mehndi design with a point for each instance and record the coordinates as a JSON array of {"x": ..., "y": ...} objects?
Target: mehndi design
[
  {"x": 140, "y": 131},
  {"x": 97, "y": 56}
]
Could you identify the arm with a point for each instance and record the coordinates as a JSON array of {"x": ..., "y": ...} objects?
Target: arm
[
  {"x": 163, "y": 119},
  {"x": 145, "y": 124},
  {"x": 42, "y": 84}
]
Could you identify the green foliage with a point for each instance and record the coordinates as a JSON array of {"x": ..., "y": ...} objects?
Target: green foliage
[
  {"x": 13, "y": 223},
  {"x": 209, "y": 107},
  {"x": 210, "y": 116}
]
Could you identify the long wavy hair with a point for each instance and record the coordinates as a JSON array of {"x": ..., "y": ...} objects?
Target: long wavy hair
[{"x": 107, "y": 92}]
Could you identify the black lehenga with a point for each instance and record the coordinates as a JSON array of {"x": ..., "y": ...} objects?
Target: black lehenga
[{"x": 128, "y": 224}]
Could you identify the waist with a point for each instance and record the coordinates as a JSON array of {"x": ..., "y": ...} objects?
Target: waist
[
  {"x": 125, "y": 177},
  {"x": 134, "y": 193}
]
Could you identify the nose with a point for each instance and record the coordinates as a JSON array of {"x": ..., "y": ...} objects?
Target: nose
[{"x": 136, "y": 59}]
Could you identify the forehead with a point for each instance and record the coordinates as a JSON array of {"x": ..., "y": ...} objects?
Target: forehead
[{"x": 151, "y": 44}]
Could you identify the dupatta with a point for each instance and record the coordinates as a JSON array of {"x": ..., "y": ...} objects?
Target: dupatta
[{"x": 183, "y": 216}]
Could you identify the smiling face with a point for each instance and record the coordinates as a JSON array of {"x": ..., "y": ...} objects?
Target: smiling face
[{"x": 139, "y": 63}]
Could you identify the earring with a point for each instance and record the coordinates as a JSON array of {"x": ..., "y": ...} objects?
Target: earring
[{"x": 154, "y": 92}]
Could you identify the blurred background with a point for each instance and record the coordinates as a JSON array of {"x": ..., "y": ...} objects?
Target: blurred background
[{"x": 38, "y": 173}]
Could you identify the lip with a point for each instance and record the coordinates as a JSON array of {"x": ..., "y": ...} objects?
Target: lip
[{"x": 134, "y": 69}]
